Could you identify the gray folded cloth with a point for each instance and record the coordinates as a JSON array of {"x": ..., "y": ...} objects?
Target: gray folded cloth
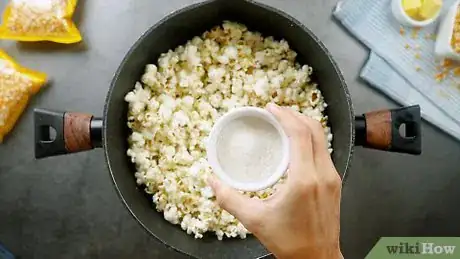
[{"x": 402, "y": 63}]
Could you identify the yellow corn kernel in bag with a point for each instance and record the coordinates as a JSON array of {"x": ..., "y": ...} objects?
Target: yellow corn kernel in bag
[
  {"x": 40, "y": 20},
  {"x": 17, "y": 86}
]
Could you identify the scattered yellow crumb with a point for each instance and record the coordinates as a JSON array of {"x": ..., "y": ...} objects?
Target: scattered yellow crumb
[
  {"x": 407, "y": 46},
  {"x": 415, "y": 32},
  {"x": 440, "y": 76},
  {"x": 446, "y": 63},
  {"x": 417, "y": 56},
  {"x": 417, "y": 68},
  {"x": 402, "y": 31},
  {"x": 456, "y": 71}
]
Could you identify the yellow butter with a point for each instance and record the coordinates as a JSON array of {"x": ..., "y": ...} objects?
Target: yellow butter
[
  {"x": 412, "y": 7},
  {"x": 430, "y": 8}
]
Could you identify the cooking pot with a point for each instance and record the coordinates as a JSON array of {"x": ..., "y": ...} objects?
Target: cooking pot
[{"x": 78, "y": 131}]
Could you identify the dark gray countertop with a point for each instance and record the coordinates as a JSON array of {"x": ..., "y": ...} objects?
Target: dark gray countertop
[{"x": 66, "y": 207}]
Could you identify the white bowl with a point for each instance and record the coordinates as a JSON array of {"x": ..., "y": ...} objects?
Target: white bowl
[
  {"x": 404, "y": 19},
  {"x": 211, "y": 149},
  {"x": 443, "y": 48}
]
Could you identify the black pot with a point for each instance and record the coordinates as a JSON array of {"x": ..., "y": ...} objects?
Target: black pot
[{"x": 77, "y": 132}]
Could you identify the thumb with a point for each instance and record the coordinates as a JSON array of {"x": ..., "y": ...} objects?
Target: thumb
[{"x": 243, "y": 208}]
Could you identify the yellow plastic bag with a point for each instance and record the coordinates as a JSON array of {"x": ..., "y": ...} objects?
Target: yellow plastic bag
[
  {"x": 40, "y": 20},
  {"x": 17, "y": 86}
]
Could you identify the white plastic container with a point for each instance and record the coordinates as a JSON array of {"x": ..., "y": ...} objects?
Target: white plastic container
[
  {"x": 443, "y": 47},
  {"x": 402, "y": 17},
  {"x": 212, "y": 152}
]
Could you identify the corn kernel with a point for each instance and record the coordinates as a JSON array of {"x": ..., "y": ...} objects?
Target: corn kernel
[
  {"x": 40, "y": 20},
  {"x": 17, "y": 85},
  {"x": 455, "y": 42}
]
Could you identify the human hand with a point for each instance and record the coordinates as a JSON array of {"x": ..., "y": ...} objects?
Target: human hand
[{"x": 302, "y": 218}]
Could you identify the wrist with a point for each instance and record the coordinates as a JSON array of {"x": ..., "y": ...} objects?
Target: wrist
[{"x": 324, "y": 254}]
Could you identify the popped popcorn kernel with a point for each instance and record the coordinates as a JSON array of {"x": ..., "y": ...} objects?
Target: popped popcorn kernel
[{"x": 173, "y": 108}]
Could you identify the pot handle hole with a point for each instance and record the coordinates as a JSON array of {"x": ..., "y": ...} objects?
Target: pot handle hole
[
  {"x": 60, "y": 133},
  {"x": 396, "y": 130}
]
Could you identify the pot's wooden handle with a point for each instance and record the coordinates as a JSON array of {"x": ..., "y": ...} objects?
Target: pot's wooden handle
[
  {"x": 59, "y": 133},
  {"x": 77, "y": 133},
  {"x": 382, "y": 130},
  {"x": 378, "y": 129}
]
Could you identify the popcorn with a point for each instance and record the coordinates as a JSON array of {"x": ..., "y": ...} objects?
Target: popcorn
[
  {"x": 171, "y": 214},
  {"x": 165, "y": 112},
  {"x": 231, "y": 52},
  {"x": 207, "y": 192},
  {"x": 216, "y": 100},
  {"x": 192, "y": 56},
  {"x": 40, "y": 20},
  {"x": 215, "y": 74},
  {"x": 180, "y": 118},
  {"x": 227, "y": 67},
  {"x": 149, "y": 79},
  {"x": 188, "y": 101},
  {"x": 261, "y": 87}
]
